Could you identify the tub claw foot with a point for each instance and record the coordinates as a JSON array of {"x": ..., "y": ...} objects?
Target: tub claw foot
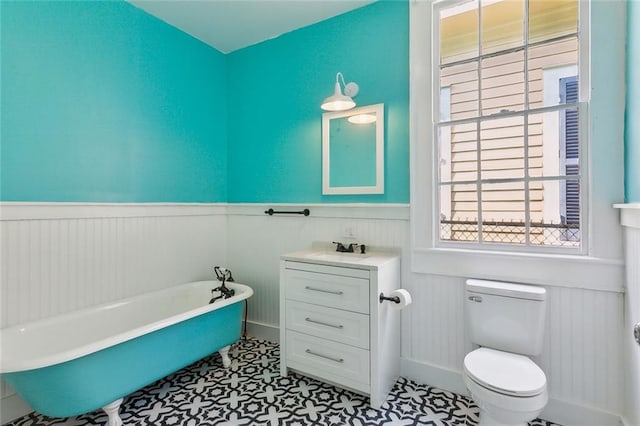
[
  {"x": 112, "y": 411},
  {"x": 224, "y": 353}
]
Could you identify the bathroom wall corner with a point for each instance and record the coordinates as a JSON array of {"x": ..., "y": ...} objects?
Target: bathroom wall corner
[{"x": 12, "y": 407}]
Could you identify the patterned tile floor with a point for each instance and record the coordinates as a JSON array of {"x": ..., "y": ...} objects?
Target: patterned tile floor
[{"x": 252, "y": 392}]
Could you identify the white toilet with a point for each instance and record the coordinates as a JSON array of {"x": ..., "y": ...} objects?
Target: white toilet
[{"x": 507, "y": 321}]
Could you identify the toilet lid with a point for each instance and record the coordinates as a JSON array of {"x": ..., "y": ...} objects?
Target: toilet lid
[{"x": 505, "y": 372}]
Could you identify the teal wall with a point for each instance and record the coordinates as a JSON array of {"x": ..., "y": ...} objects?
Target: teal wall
[
  {"x": 606, "y": 107},
  {"x": 275, "y": 90},
  {"x": 632, "y": 118},
  {"x": 101, "y": 102}
]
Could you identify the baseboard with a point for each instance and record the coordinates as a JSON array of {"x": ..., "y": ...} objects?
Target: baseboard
[
  {"x": 13, "y": 407},
  {"x": 625, "y": 422},
  {"x": 557, "y": 411},
  {"x": 433, "y": 375},
  {"x": 263, "y": 331},
  {"x": 571, "y": 414}
]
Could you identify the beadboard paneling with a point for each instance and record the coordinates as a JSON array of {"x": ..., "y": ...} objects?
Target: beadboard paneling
[
  {"x": 437, "y": 314},
  {"x": 51, "y": 266},
  {"x": 582, "y": 351},
  {"x": 257, "y": 241},
  {"x": 631, "y": 220},
  {"x": 79, "y": 258},
  {"x": 60, "y": 265},
  {"x": 581, "y": 356}
]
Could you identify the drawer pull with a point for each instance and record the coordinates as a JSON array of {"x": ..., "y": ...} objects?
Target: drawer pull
[
  {"x": 309, "y": 351},
  {"x": 323, "y": 323},
  {"x": 321, "y": 290}
]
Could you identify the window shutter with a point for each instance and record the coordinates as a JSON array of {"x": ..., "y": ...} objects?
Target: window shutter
[
  {"x": 572, "y": 197},
  {"x": 570, "y": 152},
  {"x": 570, "y": 86}
]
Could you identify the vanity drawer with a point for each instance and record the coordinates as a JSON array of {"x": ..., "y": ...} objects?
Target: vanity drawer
[
  {"x": 328, "y": 269},
  {"x": 340, "y": 292},
  {"x": 323, "y": 358},
  {"x": 333, "y": 324}
]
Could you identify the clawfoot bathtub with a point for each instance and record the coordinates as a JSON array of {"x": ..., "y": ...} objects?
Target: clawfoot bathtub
[{"x": 90, "y": 359}]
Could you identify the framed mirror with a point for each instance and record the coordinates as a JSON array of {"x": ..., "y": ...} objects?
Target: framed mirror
[{"x": 353, "y": 151}]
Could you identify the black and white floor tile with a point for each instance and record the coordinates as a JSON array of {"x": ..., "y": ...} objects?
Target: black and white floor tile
[{"x": 251, "y": 392}]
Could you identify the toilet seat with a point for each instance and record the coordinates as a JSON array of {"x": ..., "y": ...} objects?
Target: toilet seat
[{"x": 504, "y": 372}]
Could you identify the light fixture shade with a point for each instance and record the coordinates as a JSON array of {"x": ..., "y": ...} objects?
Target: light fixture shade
[
  {"x": 362, "y": 119},
  {"x": 337, "y": 101}
]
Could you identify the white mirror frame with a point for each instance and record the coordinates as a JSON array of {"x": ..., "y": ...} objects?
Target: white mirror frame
[{"x": 378, "y": 188}]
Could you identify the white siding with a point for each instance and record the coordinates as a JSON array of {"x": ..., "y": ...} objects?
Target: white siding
[{"x": 502, "y": 139}]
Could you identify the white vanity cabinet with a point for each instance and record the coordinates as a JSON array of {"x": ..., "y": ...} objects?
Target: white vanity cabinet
[{"x": 332, "y": 324}]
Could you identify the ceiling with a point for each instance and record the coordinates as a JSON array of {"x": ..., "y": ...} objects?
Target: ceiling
[{"x": 229, "y": 25}]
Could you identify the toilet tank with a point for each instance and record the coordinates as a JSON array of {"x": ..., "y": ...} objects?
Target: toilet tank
[{"x": 506, "y": 316}]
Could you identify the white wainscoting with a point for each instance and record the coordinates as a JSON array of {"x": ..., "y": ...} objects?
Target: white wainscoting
[
  {"x": 66, "y": 262},
  {"x": 61, "y": 257},
  {"x": 630, "y": 218},
  {"x": 582, "y": 353},
  {"x": 257, "y": 240},
  {"x": 581, "y": 357}
]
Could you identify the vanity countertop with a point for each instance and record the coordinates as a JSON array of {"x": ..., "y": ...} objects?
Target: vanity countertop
[{"x": 371, "y": 260}]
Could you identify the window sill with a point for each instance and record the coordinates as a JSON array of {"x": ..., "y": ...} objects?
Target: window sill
[
  {"x": 584, "y": 272},
  {"x": 629, "y": 214}
]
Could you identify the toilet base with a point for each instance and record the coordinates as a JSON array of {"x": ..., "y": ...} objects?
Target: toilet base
[
  {"x": 502, "y": 410},
  {"x": 490, "y": 415}
]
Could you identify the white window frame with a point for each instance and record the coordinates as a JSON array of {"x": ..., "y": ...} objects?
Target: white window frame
[
  {"x": 599, "y": 265},
  {"x": 525, "y": 180}
]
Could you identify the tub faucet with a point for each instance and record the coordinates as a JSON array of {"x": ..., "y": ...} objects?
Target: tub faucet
[{"x": 223, "y": 275}]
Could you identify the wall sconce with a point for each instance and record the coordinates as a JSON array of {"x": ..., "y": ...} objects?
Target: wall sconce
[{"x": 338, "y": 101}]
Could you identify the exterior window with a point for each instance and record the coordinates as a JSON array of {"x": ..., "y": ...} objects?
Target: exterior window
[{"x": 508, "y": 120}]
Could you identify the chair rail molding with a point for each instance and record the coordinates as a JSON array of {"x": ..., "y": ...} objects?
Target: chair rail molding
[{"x": 62, "y": 210}]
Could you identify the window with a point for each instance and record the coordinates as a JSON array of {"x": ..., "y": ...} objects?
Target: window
[
  {"x": 460, "y": 138},
  {"x": 504, "y": 176}
]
